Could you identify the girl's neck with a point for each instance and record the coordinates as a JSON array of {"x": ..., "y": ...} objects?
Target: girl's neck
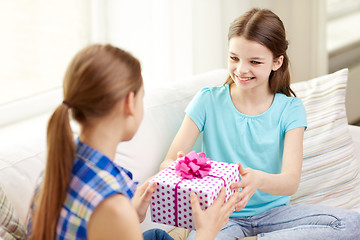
[
  {"x": 100, "y": 139},
  {"x": 251, "y": 101}
]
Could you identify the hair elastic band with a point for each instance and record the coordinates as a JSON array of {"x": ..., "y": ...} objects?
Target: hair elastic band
[{"x": 66, "y": 103}]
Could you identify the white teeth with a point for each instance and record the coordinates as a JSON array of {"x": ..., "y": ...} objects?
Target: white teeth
[{"x": 243, "y": 78}]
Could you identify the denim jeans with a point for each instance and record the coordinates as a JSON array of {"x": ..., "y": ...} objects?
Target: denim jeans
[
  {"x": 156, "y": 234},
  {"x": 295, "y": 222}
]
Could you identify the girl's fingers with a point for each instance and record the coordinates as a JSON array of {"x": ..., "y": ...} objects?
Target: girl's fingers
[
  {"x": 231, "y": 203},
  {"x": 150, "y": 189},
  {"x": 243, "y": 198},
  {"x": 142, "y": 188},
  {"x": 221, "y": 198},
  {"x": 241, "y": 169},
  {"x": 194, "y": 203},
  {"x": 240, "y": 205},
  {"x": 238, "y": 185},
  {"x": 180, "y": 154}
]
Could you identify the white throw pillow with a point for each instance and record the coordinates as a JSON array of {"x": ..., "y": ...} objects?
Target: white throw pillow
[{"x": 330, "y": 174}]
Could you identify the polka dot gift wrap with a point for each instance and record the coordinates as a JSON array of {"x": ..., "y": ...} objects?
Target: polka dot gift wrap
[{"x": 172, "y": 206}]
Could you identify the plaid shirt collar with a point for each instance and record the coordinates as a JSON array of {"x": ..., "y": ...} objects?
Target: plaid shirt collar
[{"x": 86, "y": 153}]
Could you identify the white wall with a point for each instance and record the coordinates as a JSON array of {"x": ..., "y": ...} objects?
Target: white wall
[
  {"x": 353, "y": 94},
  {"x": 343, "y": 46},
  {"x": 304, "y": 23}
]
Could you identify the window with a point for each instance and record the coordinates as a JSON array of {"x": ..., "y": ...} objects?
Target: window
[
  {"x": 37, "y": 44},
  {"x": 343, "y": 47},
  {"x": 38, "y": 40},
  {"x": 343, "y": 38},
  {"x": 340, "y": 8}
]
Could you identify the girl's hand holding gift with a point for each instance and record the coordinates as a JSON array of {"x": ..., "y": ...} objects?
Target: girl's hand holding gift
[
  {"x": 209, "y": 222},
  {"x": 250, "y": 182},
  {"x": 142, "y": 198}
]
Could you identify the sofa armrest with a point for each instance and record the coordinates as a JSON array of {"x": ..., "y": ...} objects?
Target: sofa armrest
[{"x": 355, "y": 134}]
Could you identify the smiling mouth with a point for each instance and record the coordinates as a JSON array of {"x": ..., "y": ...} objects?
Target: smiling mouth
[{"x": 244, "y": 78}]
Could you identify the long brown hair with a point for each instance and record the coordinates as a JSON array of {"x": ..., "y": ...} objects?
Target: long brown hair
[
  {"x": 97, "y": 78},
  {"x": 265, "y": 27}
]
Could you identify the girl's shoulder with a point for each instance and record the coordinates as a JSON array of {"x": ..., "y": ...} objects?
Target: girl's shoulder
[
  {"x": 115, "y": 216},
  {"x": 288, "y": 100},
  {"x": 214, "y": 91},
  {"x": 288, "y": 104}
]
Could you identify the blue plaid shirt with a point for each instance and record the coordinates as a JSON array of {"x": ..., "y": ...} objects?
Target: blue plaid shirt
[{"x": 94, "y": 178}]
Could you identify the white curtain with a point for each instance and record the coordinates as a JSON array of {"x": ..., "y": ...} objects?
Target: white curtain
[
  {"x": 158, "y": 32},
  {"x": 173, "y": 39}
]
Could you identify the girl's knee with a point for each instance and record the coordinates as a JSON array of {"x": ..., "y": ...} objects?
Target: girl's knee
[{"x": 351, "y": 224}]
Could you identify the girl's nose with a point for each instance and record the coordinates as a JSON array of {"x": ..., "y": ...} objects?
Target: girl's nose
[{"x": 242, "y": 67}]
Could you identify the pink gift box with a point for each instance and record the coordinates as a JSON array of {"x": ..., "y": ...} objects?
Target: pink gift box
[{"x": 170, "y": 203}]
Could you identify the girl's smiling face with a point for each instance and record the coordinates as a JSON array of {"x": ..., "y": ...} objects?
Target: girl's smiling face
[{"x": 250, "y": 63}]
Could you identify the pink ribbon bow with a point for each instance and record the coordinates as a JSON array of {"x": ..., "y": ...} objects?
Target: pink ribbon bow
[{"x": 193, "y": 165}]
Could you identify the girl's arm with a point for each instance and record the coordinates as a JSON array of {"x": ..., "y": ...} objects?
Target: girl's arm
[
  {"x": 287, "y": 182},
  {"x": 284, "y": 184},
  {"x": 114, "y": 218},
  {"x": 183, "y": 141}
]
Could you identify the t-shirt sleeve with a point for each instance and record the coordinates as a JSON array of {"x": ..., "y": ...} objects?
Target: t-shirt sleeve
[
  {"x": 196, "y": 109},
  {"x": 295, "y": 115}
]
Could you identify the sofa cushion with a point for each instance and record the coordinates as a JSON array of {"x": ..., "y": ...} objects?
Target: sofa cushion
[
  {"x": 10, "y": 225},
  {"x": 330, "y": 173},
  {"x": 22, "y": 158}
]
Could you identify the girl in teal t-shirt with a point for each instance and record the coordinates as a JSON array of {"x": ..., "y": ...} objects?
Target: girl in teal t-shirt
[{"x": 256, "y": 121}]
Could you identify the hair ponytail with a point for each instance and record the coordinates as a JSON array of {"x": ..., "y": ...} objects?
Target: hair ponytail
[{"x": 60, "y": 155}]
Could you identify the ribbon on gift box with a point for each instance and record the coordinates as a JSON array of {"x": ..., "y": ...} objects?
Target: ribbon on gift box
[{"x": 192, "y": 165}]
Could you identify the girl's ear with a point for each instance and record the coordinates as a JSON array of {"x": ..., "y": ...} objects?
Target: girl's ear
[
  {"x": 130, "y": 104},
  {"x": 277, "y": 63}
]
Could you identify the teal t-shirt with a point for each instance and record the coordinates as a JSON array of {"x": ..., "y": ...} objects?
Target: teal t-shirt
[{"x": 256, "y": 142}]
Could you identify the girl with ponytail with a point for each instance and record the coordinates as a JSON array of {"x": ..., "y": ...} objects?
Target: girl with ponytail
[
  {"x": 84, "y": 193},
  {"x": 256, "y": 121}
]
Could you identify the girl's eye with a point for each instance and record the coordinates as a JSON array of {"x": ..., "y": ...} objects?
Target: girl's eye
[
  {"x": 234, "y": 58},
  {"x": 255, "y": 62}
]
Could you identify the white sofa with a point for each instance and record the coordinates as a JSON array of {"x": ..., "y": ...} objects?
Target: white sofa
[{"x": 22, "y": 152}]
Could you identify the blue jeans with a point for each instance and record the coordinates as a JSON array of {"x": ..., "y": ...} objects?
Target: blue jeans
[
  {"x": 294, "y": 222},
  {"x": 156, "y": 234}
]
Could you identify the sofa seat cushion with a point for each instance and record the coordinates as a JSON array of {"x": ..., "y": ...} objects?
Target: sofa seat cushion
[{"x": 22, "y": 158}]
